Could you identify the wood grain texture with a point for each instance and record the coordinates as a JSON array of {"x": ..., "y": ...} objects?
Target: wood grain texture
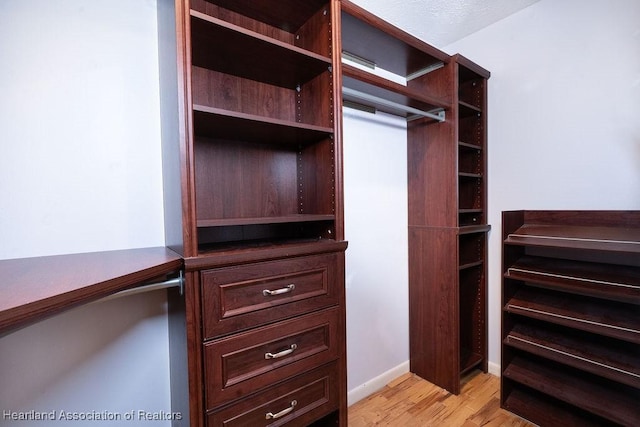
[
  {"x": 42, "y": 286},
  {"x": 412, "y": 401},
  {"x": 369, "y": 37}
]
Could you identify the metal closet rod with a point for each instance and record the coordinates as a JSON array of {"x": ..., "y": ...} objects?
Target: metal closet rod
[
  {"x": 437, "y": 114},
  {"x": 178, "y": 282}
]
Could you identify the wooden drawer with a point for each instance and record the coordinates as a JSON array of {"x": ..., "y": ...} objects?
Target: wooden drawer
[
  {"x": 296, "y": 402},
  {"x": 246, "y": 296},
  {"x": 240, "y": 364}
]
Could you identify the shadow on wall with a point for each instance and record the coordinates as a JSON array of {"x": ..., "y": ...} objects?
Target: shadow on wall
[{"x": 101, "y": 354}]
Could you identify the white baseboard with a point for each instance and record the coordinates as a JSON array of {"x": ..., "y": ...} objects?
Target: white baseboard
[
  {"x": 364, "y": 390},
  {"x": 494, "y": 369}
]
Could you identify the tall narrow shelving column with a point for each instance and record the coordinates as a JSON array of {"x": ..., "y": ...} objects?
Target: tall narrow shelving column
[
  {"x": 255, "y": 208},
  {"x": 445, "y": 104},
  {"x": 448, "y": 230}
]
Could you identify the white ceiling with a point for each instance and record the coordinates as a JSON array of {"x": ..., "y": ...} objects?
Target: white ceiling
[{"x": 441, "y": 22}]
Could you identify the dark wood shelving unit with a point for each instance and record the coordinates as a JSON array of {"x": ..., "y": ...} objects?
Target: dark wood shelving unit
[
  {"x": 571, "y": 316},
  {"x": 444, "y": 102},
  {"x": 260, "y": 224}
]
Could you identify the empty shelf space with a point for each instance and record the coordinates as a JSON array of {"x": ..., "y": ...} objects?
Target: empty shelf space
[
  {"x": 472, "y": 229},
  {"x": 380, "y": 87},
  {"x": 576, "y": 237},
  {"x": 601, "y": 397},
  {"x": 468, "y": 109},
  {"x": 615, "y": 282},
  {"x": 226, "y": 124},
  {"x": 469, "y": 265},
  {"x": 469, "y": 360},
  {"x": 545, "y": 410},
  {"x": 616, "y": 360},
  {"x": 287, "y": 15},
  {"x": 251, "y": 55},
  {"x": 470, "y": 219},
  {"x": 616, "y": 320},
  {"x": 367, "y": 36}
]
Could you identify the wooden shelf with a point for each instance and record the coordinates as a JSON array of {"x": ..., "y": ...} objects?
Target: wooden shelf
[
  {"x": 472, "y": 229},
  {"x": 42, "y": 286},
  {"x": 470, "y": 146},
  {"x": 603, "y": 398},
  {"x": 262, "y": 58},
  {"x": 224, "y": 124},
  {"x": 470, "y": 265},
  {"x": 288, "y": 15},
  {"x": 614, "y": 239},
  {"x": 614, "y": 282},
  {"x": 611, "y": 359},
  {"x": 616, "y": 320},
  {"x": 468, "y": 109},
  {"x": 264, "y": 220},
  {"x": 365, "y": 82},
  {"x": 469, "y": 175}
]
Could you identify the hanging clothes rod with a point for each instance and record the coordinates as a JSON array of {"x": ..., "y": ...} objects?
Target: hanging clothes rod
[
  {"x": 178, "y": 282},
  {"x": 437, "y": 114}
]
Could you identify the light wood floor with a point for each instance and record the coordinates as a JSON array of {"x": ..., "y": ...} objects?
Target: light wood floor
[{"x": 412, "y": 401}]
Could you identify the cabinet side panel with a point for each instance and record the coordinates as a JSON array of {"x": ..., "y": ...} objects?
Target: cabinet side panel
[
  {"x": 433, "y": 306},
  {"x": 431, "y": 170},
  {"x": 170, "y": 125}
]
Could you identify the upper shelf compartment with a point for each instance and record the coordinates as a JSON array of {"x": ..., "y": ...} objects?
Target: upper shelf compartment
[
  {"x": 251, "y": 55},
  {"x": 366, "y": 36},
  {"x": 384, "y": 95},
  {"x": 287, "y": 15},
  {"x": 370, "y": 41}
]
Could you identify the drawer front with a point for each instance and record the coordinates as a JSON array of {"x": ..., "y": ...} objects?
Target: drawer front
[
  {"x": 296, "y": 402},
  {"x": 238, "y": 365},
  {"x": 242, "y": 297}
]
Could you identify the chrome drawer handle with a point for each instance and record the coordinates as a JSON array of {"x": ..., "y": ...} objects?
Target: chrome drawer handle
[
  {"x": 282, "y": 353},
  {"x": 272, "y": 416},
  {"x": 284, "y": 290}
]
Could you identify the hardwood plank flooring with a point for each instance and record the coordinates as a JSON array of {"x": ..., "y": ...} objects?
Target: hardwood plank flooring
[{"x": 411, "y": 401}]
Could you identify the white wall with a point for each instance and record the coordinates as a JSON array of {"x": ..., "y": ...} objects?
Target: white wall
[
  {"x": 80, "y": 171},
  {"x": 564, "y": 109},
  {"x": 375, "y": 181}
]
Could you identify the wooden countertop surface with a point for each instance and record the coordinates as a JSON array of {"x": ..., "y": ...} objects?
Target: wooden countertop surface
[{"x": 34, "y": 288}]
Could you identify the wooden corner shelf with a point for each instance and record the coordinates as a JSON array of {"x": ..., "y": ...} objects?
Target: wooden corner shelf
[{"x": 44, "y": 286}]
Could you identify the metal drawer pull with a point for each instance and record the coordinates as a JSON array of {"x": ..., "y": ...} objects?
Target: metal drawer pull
[
  {"x": 272, "y": 416},
  {"x": 282, "y": 353},
  {"x": 284, "y": 290}
]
